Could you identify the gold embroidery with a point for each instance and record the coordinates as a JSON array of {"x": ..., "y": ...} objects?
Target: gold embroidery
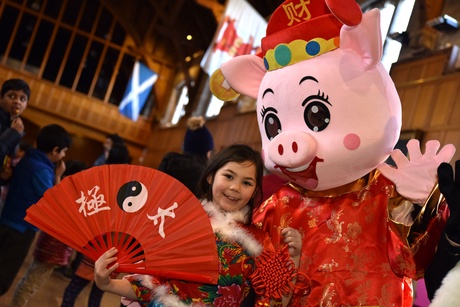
[
  {"x": 336, "y": 226},
  {"x": 354, "y": 230},
  {"x": 285, "y": 220},
  {"x": 328, "y": 267},
  {"x": 328, "y": 294}
]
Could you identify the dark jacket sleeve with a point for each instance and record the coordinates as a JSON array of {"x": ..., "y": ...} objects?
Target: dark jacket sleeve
[
  {"x": 9, "y": 139},
  {"x": 444, "y": 260}
]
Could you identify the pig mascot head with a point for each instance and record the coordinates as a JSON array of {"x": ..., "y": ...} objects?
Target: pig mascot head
[{"x": 327, "y": 109}]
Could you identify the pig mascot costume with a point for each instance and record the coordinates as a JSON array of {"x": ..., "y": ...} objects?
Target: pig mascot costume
[{"x": 329, "y": 117}]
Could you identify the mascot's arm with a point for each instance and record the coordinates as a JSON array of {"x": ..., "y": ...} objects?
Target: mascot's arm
[
  {"x": 448, "y": 252},
  {"x": 412, "y": 244},
  {"x": 411, "y": 247}
]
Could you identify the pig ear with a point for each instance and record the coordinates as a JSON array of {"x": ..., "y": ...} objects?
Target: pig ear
[
  {"x": 347, "y": 11},
  {"x": 365, "y": 39},
  {"x": 244, "y": 74}
]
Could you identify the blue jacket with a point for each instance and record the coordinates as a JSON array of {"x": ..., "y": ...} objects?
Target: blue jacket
[{"x": 32, "y": 176}]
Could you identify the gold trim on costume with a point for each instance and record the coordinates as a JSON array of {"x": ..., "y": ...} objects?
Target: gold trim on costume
[{"x": 298, "y": 50}]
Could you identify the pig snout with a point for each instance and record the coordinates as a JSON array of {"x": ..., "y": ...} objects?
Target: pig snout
[{"x": 293, "y": 150}]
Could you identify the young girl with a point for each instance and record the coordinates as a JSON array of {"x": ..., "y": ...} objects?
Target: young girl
[{"x": 230, "y": 187}]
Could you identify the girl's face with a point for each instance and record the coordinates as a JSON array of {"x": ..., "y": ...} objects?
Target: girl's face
[{"x": 233, "y": 185}]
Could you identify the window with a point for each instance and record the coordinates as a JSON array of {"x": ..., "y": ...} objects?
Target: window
[
  {"x": 72, "y": 43},
  {"x": 176, "y": 107},
  {"x": 394, "y": 20}
]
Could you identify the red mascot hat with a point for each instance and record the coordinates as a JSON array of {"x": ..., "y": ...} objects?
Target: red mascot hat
[{"x": 302, "y": 29}]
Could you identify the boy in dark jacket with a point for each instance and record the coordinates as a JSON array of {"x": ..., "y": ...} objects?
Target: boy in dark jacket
[
  {"x": 40, "y": 169},
  {"x": 14, "y": 96}
]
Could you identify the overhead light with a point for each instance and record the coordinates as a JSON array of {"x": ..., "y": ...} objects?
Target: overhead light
[
  {"x": 444, "y": 23},
  {"x": 189, "y": 37}
]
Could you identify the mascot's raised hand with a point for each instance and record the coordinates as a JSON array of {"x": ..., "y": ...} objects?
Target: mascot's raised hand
[{"x": 415, "y": 177}]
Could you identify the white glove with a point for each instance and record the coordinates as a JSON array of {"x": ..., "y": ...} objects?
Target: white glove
[{"x": 415, "y": 178}]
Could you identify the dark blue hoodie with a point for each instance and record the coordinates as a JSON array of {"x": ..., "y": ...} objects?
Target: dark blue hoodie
[{"x": 32, "y": 176}]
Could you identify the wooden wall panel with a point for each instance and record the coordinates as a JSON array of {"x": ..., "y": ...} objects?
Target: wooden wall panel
[
  {"x": 453, "y": 137},
  {"x": 433, "y": 107},
  {"x": 429, "y": 92},
  {"x": 423, "y": 106},
  {"x": 430, "y": 104},
  {"x": 408, "y": 95},
  {"x": 228, "y": 128},
  {"x": 444, "y": 102},
  {"x": 424, "y": 67}
]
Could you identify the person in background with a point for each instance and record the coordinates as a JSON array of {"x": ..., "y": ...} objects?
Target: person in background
[
  {"x": 118, "y": 154},
  {"x": 110, "y": 140},
  {"x": 20, "y": 152},
  {"x": 14, "y": 96},
  {"x": 49, "y": 253},
  {"x": 229, "y": 188},
  {"x": 40, "y": 169},
  {"x": 188, "y": 165},
  {"x": 442, "y": 276},
  {"x": 84, "y": 273}
]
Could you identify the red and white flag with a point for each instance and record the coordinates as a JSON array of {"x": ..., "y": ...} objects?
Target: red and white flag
[{"x": 240, "y": 32}]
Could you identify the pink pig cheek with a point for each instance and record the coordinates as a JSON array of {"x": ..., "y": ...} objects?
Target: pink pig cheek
[{"x": 351, "y": 141}]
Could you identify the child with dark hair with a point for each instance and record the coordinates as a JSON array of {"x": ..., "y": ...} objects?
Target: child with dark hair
[
  {"x": 188, "y": 165},
  {"x": 84, "y": 273},
  {"x": 230, "y": 188},
  {"x": 14, "y": 96},
  {"x": 49, "y": 253},
  {"x": 15, "y": 85},
  {"x": 111, "y": 140},
  {"x": 40, "y": 169},
  {"x": 118, "y": 154}
]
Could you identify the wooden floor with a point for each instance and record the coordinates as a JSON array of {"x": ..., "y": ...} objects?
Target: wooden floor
[{"x": 50, "y": 295}]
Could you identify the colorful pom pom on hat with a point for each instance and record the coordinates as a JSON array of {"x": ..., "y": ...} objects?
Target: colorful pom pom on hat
[{"x": 303, "y": 29}]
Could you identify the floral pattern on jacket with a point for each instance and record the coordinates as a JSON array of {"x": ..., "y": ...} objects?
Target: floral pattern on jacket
[{"x": 237, "y": 246}]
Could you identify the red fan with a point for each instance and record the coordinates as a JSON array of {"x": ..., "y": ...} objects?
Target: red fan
[{"x": 159, "y": 227}]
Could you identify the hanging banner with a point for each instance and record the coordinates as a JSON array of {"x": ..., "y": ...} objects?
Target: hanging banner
[{"x": 240, "y": 32}]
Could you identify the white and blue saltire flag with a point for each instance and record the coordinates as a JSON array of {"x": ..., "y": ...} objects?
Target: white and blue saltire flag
[{"x": 137, "y": 91}]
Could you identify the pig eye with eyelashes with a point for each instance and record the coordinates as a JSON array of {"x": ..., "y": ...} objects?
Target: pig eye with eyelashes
[
  {"x": 316, "y": 114},
  {"x": 271, "y": 122}
]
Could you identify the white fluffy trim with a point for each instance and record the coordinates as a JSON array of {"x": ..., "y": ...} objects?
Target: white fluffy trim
[
  {"x": 162, "y": 294},
  {"x": 225, "y": 224},
  {"x": 448, "y": 295}
]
